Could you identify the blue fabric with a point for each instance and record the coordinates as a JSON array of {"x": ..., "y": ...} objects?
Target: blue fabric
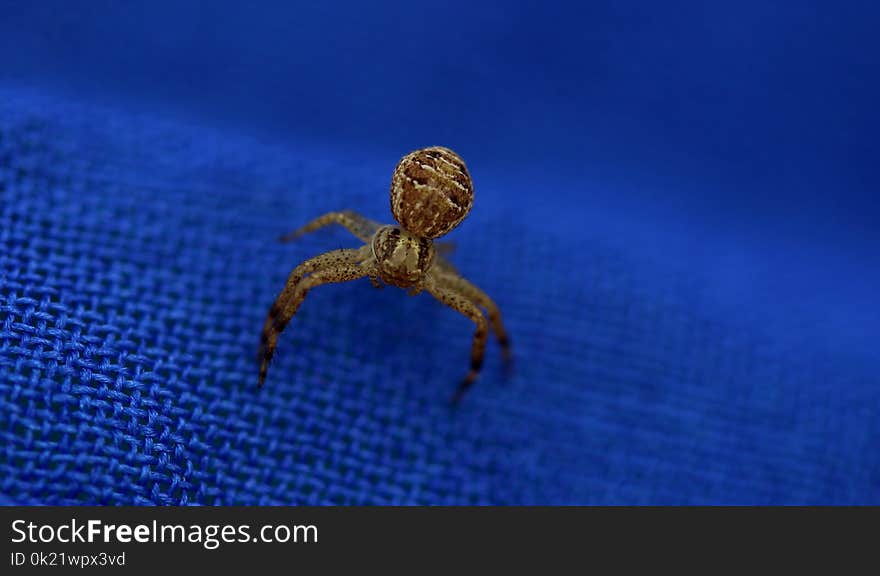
[
  {"x": 138, "y": 263},
  {"x": 701, "y": 335}
]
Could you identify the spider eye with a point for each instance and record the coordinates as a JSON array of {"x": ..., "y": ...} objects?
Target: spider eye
[{"x": 431, "y": 191}]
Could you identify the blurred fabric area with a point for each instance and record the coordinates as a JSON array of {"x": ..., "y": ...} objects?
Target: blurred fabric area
[{"x": 676, "y": 209}]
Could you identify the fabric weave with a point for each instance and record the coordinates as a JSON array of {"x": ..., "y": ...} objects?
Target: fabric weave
[{"x": 137, "y": 262}]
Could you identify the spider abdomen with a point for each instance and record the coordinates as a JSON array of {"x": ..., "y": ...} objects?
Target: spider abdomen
[
  {"x": 431, "y": 191},
  {"x": 402, "y": 258}
]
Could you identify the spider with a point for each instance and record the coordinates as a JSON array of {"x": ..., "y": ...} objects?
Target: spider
[{"x": 431, "y": 193}]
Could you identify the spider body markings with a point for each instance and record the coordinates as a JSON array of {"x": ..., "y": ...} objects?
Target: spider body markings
[{"x": 431, "y": 193}]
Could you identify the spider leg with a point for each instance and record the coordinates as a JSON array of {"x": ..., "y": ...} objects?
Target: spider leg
[
  {"x": 441, "y": 250},
  {"x": 464, "y": 287},
  {"x": 333, "y": 266},
  {"x": 444, "y": 248},
  {"x": 332, "y": 258},
  {"x": 444, "y": 266},
  {"x": 459, "y": 302},
  {"x": 362, "y": 227}
]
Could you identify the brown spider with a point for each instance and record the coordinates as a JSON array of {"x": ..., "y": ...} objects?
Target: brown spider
[{"x": 431, "y": 193}]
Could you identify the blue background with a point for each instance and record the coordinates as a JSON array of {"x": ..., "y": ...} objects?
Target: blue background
[{"x": 676, "y": 209}]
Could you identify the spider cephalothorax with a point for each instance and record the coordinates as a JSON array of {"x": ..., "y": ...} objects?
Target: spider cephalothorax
[
  {"x": 431, "y": 193},
  {"x": 402, "y": 258}
]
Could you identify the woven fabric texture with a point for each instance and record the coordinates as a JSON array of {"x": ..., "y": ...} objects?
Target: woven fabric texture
[{"x": 137, "y": 262}]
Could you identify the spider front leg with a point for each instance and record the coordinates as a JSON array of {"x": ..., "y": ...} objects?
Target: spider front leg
[
  {"x": 360, "y": 226},
  {"x": 461, "y": 285},
  {"x": 459, "y": 302},
  {"x": 334, "y": 266}
]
